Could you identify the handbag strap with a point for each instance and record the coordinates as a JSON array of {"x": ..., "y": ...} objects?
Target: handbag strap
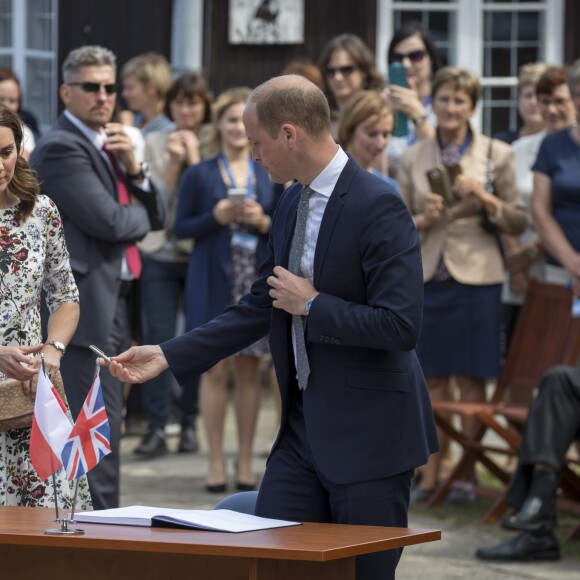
[{"x": 489, "y": 170}]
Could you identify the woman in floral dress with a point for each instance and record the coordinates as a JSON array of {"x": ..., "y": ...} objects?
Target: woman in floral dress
[{"x": 33, "y": 256}]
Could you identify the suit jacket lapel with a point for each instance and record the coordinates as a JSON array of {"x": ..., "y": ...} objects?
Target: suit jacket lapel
[
  {"x": 101, "y": 166},
  {"x": 331, "y": 213}
]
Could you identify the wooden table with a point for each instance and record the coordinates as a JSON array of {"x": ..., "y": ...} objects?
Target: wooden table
[{"x": 309, "y": 551}]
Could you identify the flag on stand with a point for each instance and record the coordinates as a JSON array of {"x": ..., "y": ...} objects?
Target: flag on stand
[
  {"x": 50, "y": 428},
  {"x": 89, "y": 439}
]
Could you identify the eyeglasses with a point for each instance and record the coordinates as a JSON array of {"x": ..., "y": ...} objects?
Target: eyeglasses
[
  {"x": 89, "y": 87},
  {"x": 414, "y": 56},
  {"x": 344, "y": 71}
]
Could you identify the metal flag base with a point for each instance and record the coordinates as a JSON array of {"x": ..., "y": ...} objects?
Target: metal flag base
[{"x": 64, "y": 529}]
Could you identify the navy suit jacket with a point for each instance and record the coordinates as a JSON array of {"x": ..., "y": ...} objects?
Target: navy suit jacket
[
  {"x": 76, "y": 176},
  {"x": 366, "y": 408}
]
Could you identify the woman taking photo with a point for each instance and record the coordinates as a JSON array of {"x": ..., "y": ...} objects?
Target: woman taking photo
[
  {"x": 413, "y": 47},
  {"x": 225, "y": 205},
  {"x": 33, "y": 257},
  {"x": 348, "y": 66},
  {"x": 462, "y": 262}
]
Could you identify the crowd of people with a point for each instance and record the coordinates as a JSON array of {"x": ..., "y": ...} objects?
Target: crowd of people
[{"x": 158, "y": 217}]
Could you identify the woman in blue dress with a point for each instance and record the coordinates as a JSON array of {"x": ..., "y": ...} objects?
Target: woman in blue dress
[{"x": 225, "y": 205}]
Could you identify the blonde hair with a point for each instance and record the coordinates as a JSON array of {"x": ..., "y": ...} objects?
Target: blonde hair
[
  {"x": 150, "y": 68},
  {"x": 530, "y": 74},
  {"x": 360, "y": 107},
  {"x": 461, "y": 79},
  {"x": 225, "y": 100}
]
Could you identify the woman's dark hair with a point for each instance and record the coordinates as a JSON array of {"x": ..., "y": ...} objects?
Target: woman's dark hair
[
  {"x": 360, "y": 53},
  {"x": 550, "y": 80},
  {"x": 7, "y": 75},
  {"x": 190, "y": 85},
  {"x": 415, "y": 29},
  {"x": 24, "y": 184}
]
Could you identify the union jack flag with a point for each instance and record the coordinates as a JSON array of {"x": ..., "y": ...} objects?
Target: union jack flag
[{"x": 89, "y": 440}]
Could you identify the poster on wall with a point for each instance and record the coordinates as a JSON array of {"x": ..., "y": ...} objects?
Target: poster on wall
[{"x": 266, "y": 22}]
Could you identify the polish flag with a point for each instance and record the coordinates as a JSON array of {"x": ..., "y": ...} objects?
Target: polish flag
[{"x": 50, "y": 429}]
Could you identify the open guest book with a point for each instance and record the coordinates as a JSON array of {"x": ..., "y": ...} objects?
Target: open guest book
[{"x": 212, "y": 520}]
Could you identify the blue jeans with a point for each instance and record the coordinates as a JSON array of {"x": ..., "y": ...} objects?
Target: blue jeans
[{"x": 163, "y": 288}]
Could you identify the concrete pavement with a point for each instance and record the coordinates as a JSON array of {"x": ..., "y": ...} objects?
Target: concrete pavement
[{"x": 177, "y": 480}]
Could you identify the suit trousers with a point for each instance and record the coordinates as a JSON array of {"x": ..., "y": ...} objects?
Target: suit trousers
[
  {"x": 552, "y": 425},
  {"x": 78, "y": 368},
  {"x": 293, "y": 488}
]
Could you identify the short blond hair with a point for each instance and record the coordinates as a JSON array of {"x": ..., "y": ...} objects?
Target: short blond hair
[
  {"x": 461, "y": 79},
  {"x": 530, "y": 74},
  {"x": 150, "y": 68},
  {"x": 360, "y": 107}
]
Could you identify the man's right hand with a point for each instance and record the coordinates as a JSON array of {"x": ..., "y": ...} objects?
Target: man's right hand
[{"x": 138, "y": 364}]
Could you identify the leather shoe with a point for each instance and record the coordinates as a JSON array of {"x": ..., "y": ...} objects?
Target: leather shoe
[
  {"x": 188, "y": 441},
  {"x": 534, "y": 516},
  {"x": 525, "y": 547},
  {"x": 153, "y": 445}
]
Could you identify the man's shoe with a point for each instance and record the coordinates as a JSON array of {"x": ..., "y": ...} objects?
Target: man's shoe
[
  {"x": 188, "y": 441},
  {"x": 153, "y": 444},
  {"x": 534, "y": 516},
  {"x": 525, "y": 547}
]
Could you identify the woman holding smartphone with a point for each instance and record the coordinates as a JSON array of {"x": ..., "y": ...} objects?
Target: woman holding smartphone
[
  {"x": 225, "y": 204},
  {"x": 413, "y": 47},
  {"x": 462, "y": 263}
]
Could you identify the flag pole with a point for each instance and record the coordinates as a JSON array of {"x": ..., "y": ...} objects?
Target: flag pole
[{"x": 74, "y": 502}]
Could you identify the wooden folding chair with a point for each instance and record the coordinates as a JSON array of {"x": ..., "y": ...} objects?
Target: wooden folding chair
[{"x": 545, "y": 335}]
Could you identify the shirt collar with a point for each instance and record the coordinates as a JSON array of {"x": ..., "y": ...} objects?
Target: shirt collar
[
  {"x": 96, "y": 138},
  {"x": 325, "y": 182}
]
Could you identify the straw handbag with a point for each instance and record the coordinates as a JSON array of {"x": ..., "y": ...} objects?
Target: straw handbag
[{"x": 16, "y": 408}]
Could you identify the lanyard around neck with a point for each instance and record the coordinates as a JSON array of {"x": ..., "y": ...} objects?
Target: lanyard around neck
[{"x": 250, "y": 185}]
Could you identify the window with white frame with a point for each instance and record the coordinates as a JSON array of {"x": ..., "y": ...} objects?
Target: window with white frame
[
  {"x": 493, "y": 38},
  {"x": 28, "y": 46}
]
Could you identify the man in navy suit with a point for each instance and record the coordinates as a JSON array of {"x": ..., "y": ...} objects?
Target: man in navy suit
[
  {"x": 350, "y": 440},
  {"x": 85, "y": 164}
]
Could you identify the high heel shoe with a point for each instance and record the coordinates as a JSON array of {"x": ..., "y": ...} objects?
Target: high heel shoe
[
  {"x": 241, "y": 485},
  {"x": 217, "y": 488}
]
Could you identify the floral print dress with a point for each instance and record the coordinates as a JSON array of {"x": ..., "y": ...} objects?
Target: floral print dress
[{"x": 33, "y": 256}]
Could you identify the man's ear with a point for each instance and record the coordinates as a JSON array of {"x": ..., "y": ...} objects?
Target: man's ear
[
  {"x": 64, "y": 92},
  {"x": 289, "y": 133}
]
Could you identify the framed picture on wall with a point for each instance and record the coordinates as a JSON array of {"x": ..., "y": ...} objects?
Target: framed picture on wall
[{"x": 266, "y": 22}]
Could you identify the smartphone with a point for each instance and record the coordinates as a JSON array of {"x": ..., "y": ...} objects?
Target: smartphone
[
  {"x": 237, "y": 193},
  {"x": 398, "y": 76},
  {"x": 100, "y": 353},
  {"x": 440, "y": 183}
]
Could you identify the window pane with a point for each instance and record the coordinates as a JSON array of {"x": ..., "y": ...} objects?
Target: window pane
[
  {"x": 6, "y": 61},
  {"x": 500, "y": 62},
  {"x": 5, "y": 22},
  {"x": 528, "y": 26},
  {"x": 40, "y": 93},
  {"x": 498, "y": 26},
  {"x": 39, "y": 24}
]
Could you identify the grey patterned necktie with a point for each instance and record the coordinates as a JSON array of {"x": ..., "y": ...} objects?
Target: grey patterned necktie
[{"x": 298, "y": 322}]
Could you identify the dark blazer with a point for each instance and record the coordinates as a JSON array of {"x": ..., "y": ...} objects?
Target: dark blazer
[
  {"x": 208, "y": 273},
  {"x": 366, "y": 408},
  {"x": 76, "y": 176}
]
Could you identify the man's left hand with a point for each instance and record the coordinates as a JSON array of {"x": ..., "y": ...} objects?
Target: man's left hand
[{"x": 290, "y": 292}]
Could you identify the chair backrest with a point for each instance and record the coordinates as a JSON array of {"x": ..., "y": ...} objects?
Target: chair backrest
[
  {"x": 243, "y": 502},
  {"x": 545, "y": 335}
]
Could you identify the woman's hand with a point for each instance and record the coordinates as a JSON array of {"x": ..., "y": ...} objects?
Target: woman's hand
[
  {"x": 253, "y": 215},
  {"x": 406, "y": 101},
  {"x": 466, "y": 185},
  {"x": 519, "y": 282},
  {"x": 518, "y": 259},
  {"x": 15, "y": 363},
  {"x": 176, "y": 147},
  {"x": 51, "y": 365},
  {"x": 432, "y": 210},
  {"x": 226, "y": 211}
]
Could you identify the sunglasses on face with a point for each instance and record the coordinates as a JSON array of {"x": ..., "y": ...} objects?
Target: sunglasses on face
[
  {"x": 344, "y": 71},
  {"x": 414, "y": 56},
  {"x": 89, "y": 87}
]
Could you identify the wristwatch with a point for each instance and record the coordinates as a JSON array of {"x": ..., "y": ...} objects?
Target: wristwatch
[
  {"x": 143, "y": 172},
  {"x": 420, "y": 120},
  {"x": 58, "y": 345}
]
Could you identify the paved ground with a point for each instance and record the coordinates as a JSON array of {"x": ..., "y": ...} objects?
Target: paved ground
[{"x": 177, "y": 480}]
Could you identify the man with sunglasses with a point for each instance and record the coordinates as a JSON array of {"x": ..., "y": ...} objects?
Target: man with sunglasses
[{"x": 87, "y": 165}]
